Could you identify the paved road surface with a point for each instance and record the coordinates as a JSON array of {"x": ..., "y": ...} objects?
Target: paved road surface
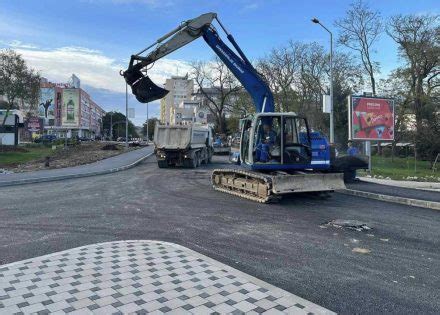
[
  {"x": 101, "y": 166},
  {"x": 396, "y": 191},
  {"x": 286, "y": 244}
]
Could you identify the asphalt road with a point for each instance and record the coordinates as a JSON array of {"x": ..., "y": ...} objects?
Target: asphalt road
[
  {"x": 396, "y": 191},
  {"x": 285, "y": 244}
]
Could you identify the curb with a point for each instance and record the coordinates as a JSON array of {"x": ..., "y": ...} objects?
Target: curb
[
  {"x": 387, "y": 198},
  {"x": 433, "y": 186},
  {"x": 68, "y": 176}
]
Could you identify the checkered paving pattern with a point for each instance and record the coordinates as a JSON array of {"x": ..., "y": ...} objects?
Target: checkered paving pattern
[{"x": 138, "y": 277}]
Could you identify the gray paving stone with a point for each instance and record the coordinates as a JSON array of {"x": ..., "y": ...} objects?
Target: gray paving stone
[
  {"x": 244, "y": 306},
  {"x": 138, "y": 276}
]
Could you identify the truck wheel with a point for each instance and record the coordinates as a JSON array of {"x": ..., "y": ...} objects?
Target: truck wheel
[
  {"x": 205, "y": 159},
  {"x": 162, "y": 164},
  {"x": 198, "y": 159},
  {"x": 191, "y": 163}
]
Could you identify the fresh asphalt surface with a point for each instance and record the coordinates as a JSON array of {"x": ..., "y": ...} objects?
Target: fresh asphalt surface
[
  {"x": 285, "y": 244},
  {"x": 396, "y": 191}
]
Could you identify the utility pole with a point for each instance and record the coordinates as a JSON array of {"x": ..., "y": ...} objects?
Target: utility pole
[
  {"x": 148, "y": 136},
  {"x": 126, "y": 115},
  {"x": 111, "y": 126},
  {"x": 332, "y": 135}
]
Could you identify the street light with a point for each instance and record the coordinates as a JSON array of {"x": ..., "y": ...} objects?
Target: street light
[
  {"x": 148, "y": 136},
  {"x": 332, "y": 136},
  {"x": 126, "y": 116},
  {"x": 111, "y": 126}
]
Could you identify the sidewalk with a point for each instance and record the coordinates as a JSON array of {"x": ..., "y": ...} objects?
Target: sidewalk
[
  {"x": 128, "y": 277},
  {"x": 113, "y": 164},
  {"x": 404, "y": 184}
]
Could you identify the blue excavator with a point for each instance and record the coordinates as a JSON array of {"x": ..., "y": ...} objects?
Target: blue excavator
[{"x": 278, "y": 152}]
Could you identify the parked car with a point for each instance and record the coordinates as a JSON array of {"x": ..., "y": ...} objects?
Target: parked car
[
  {"x": 83, "y": 139},
  {"x": 46, "y": 139}
]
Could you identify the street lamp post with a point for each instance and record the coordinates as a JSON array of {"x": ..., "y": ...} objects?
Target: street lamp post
[
  {"x": 332, "y": 135},
  {"x": 126, "y": 115},
  {"x": 148, "y": 136},
  {"x": 111, "y": 126}
]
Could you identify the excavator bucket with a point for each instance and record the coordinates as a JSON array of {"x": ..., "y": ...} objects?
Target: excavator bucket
[{"x": 143, "y": 88}]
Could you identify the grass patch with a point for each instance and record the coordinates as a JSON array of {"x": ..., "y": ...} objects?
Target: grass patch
[
  {"x": 402, "y": 169},
  {"x": 23, "y": 155}
]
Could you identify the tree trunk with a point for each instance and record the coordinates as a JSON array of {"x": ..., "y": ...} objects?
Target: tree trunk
[
  {"x": 373, "y": 84},
  {"x": 220, "y": 123},
  {"x": 393, "y": 148}
]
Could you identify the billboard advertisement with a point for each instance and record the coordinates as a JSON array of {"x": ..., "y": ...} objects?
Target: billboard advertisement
[
  {"x": 46, "y": 107},
  {"x": 34, "y": 124},
  {"x": 371, "y": 118},
  {"x": 70, "y": 110}
]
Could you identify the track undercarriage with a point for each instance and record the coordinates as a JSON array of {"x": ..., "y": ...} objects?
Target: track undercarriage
[{"x": 267, "y": 188}]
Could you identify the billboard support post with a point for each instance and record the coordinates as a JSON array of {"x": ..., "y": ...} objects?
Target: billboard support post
[{"x": 368, "y": 152}]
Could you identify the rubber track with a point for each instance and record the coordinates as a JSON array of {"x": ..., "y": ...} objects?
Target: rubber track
[{"x": 266, "y": 178}]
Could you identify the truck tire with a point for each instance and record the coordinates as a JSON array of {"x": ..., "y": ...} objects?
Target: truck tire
[
  {"x": 198, "y": 159},
  {"x": 162, "y": 164},
  {"x": 204, "y": 160},
  {"x": 209, "y": 160},
  {"x": 191, "y": 163}
]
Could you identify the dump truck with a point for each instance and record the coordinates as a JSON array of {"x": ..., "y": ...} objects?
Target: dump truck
[
  {"x": 183, "y": 145},
  {"x": 221, "y": 145}
]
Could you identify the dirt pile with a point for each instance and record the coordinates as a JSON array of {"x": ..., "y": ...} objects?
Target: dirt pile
[{"x": 83, "y": 153}]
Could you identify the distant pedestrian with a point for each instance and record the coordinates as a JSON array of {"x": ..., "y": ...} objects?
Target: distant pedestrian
[
  {"x": 352, "y": 151},
  {"x": 350, "y": 174}
]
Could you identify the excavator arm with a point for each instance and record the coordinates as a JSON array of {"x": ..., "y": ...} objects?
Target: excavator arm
[{"x": 146, "y": 91}]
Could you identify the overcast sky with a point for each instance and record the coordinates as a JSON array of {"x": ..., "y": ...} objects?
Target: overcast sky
[{"x": 95, "y": 38}]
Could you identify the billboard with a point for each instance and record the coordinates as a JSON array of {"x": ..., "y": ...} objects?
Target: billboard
[
  {"x": 46, "y": 107},
  {"x": 371, "y": 118},
  {"x": 34, "y": 124},
  {"x": 70, "y": 110}
]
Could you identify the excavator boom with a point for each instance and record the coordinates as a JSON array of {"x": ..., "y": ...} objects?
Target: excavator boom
[
  {"x": 146, "y": 91},
  {"x": 142, "y": 87}
]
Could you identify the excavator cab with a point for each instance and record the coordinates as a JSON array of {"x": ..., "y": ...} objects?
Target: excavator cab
[{"x": 275, "y": 141}]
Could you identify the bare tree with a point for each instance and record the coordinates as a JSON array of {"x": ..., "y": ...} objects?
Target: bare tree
[
  {"x": 243, "y": 104},
  {"x": 31, "y": 98},
  {"x": 17, "y": 82},
  {"x": 280, "y": 69},
  {"x": 418, "y": 37},
  {"x": 218, "y": 86},
  {"x": 314, "y": 81},
  {"x": 300, "y": 84},
  {"x": 359, "y": 31}
]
